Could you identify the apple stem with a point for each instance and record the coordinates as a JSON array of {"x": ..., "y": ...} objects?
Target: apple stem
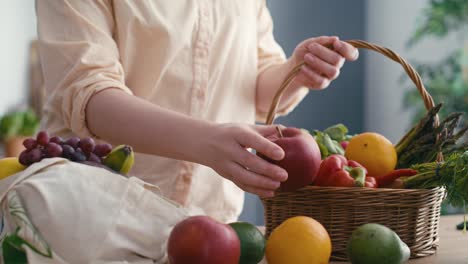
[{"x": 279, "y": 131}]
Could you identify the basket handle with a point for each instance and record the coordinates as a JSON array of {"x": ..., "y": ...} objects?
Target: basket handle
[{"x": 427, "y": 98}]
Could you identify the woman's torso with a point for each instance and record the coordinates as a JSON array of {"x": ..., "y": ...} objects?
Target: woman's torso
[{"x": 198, "y": 58}]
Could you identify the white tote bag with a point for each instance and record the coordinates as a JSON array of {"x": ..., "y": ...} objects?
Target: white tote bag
[{"x": 58, "y": 211}]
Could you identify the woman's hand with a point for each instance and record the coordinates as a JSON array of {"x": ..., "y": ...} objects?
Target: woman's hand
[
  {"x": 323, "y": 56},
  {"x": 225, "y": 149}
]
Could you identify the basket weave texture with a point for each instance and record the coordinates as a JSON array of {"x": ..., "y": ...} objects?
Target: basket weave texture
[{"x": 413, "y": 214}]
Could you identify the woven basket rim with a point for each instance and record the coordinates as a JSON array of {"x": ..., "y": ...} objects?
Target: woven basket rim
[{"x": 364, "y": 190}]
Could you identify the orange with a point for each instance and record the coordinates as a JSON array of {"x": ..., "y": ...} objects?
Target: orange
[
  {"x": 299, "y": 240},
  {"x": 373, "y": 151}
]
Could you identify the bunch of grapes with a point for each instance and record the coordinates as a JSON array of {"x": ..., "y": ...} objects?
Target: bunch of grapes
[{"x": 74, "y": 149}]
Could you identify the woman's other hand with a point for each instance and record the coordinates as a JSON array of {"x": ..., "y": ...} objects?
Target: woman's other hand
[
  {"x": 323, "y": 56},
  {"x": 226, "y": 151}
]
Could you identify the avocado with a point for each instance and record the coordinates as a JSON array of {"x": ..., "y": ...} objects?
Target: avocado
[{"x": 375, "y": 243}]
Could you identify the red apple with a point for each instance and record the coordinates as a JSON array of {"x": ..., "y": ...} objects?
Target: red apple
[
  {"x": 302, "y": 158},
  {"x": 203, "y": 240}
]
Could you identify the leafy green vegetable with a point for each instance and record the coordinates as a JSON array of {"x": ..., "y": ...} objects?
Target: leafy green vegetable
[
  {"x": 24, "y": 123},
  {"x": 452, "y": 174},
  {"x": 337, "y": 132},
  {"x": 329, "y": 140},
  {"x": 319, "y": 138}
]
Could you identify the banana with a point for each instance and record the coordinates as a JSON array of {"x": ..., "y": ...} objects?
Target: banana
[
  {"x": 10, "y": 166},
  {"x": 120, "y": 159}
]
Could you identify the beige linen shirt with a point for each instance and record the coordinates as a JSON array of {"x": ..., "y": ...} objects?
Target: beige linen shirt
[{"x": 197, "y": 57}]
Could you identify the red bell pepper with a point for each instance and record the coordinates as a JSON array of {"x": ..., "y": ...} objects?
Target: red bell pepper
[{"x": 337, "y": 171}]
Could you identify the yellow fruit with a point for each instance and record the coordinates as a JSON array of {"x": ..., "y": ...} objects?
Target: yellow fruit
[
  {"x": 10, "y": 166},
  {"x": 373, "y": 151},
  {"x": 299, "y": 240}
]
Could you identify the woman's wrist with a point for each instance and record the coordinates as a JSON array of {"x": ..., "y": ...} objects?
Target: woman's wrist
[{"x": 196, "y": 141}]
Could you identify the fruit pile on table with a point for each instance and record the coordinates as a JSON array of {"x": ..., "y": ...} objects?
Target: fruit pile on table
[{"x": 299, "y": 240}]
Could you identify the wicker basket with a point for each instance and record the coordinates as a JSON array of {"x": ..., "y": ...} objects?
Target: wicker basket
[{"x": 412, "y": 214}]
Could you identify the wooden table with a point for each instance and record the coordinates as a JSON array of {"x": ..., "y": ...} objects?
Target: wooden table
[{"x": 453, "y": 245}]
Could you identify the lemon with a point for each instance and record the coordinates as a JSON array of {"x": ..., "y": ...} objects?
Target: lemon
[
  {"x": 10, "y": 166},
  {"x": 373, "y": 151},
  {"x": 299, "y": 240},
  {"x": 252, "y": 242}
]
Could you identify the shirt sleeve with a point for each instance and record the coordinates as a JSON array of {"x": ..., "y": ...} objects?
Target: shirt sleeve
[
  {"x": 270, "y": 53},
  {"x": 79, "y": 56}
]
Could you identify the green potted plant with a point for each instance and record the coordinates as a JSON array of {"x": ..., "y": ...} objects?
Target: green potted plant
[
  {"x": 446, "y": 80},
  {"x": 14, "y": 128}
]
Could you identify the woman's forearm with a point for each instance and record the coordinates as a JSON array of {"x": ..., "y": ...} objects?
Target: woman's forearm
[
  {"x": 121, "y": 118},
  {"x": 269, "y": 81}
]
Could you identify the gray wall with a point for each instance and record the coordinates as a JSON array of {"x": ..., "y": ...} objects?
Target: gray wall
[
  {"x": 343, "y": 101},
  {"x": 18, "y": 29}
]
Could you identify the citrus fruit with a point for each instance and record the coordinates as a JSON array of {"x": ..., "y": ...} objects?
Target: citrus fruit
[
  {"x": 252, "y": 242},
  {"x": 299, "y": 240},
  {"x": 10, "y": 166},
  {"x": 373, "y": 243},
  {"x": 373, "y": 151}
]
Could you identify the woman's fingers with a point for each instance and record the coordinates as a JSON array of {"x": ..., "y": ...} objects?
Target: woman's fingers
[
  {"x": 325, "y": 54},
  {"x": 227, "y": 154},
  {"x": 240, "y": 174},
  {"x": 318, "y": 65},
  {"x": 312, "y": 79},
  {"x": 323, "y": 40},
  {"x": 252, "y": 139},
  {"x": 260, "y": 166},
  {"x": 346, "y": 50}
]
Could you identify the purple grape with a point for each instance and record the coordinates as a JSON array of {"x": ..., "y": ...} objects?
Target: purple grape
[
  {"x": 101, "y": 150},
  {"x": 53, "y": 150},
  {"x": 73, "y": 141},
  {"x": 87, "y": 145},
  {"x": 42, "y": 138},
  {"x": 78, "y": 155},
  {"x": 35, "y": 155},
  {"x": 30, "y": 143},
  {"x": 67, "y": 151},
  {"x": 94, "y": 158},
  {"x": 56, "y": 140},
  {"x": 24, "y": 158}
]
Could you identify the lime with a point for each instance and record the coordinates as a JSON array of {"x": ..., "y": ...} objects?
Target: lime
[{"x": 252, "y": 242}]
